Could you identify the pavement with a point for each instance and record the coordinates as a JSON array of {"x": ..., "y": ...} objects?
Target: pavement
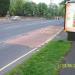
[
  {"x": 69, "y": 62},
  {"x": 69, "y": 59},
  {"x": 61, "y": 36},
  {"x": 18, "y": 39}
]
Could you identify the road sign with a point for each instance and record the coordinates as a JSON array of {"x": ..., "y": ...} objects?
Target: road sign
[{"x": 70, "y": 17}]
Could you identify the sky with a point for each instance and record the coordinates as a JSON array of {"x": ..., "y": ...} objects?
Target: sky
[{"x": 48, "y": 1}]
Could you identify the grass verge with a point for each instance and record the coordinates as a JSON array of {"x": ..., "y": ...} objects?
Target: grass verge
[{"x": 44, "y": 62}]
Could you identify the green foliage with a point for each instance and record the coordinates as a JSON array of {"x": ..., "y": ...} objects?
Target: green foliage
[
  {"x": 44, "y": 62},
  {"x": 30, "y": 9},
  {"x": 21, "y": 7},
  {"x": 62, "y": 8},
  {"x": 63, "y": 2},
  {"x": 16, "y": 7},
  {"x": 53, "y": 10},
  {"x": 4, "y": 7},
  {"x": 42, "y": 9}
]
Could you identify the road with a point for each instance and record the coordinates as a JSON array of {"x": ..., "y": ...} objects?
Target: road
[
  {"x": 9, "y": 52},
  {"x": 13, "y": 29}
]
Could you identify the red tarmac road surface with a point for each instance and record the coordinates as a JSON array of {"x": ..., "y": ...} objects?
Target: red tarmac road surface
[{"x": 35, "y": 38}]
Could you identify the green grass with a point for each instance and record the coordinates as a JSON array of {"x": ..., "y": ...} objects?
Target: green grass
[{"x": 44, "y": 62}]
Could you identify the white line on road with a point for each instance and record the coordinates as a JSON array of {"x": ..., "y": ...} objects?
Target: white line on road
[{"x": 11, "y": 63}]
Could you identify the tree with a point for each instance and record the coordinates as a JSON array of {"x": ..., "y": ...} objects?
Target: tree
[
  {"x": 30, "y": 9},
  {"x": 62, "y": 8},
  {"x": 42, "y": 9},
  {"x": 4, "y": 7},
  {"x": 16, "y": 7},
  {"x": 53, "y": 10}
]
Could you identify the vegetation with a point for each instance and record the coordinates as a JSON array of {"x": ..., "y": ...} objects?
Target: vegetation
[
  {"x": 4, "y": 7},
  {"x": 30, "y": 9},
  {"x": 62, "y": 8},
  {"x": 44, "y": 62},
  {"x": 16, "y": 7},
  {"x": 53, "y": 10},
  {"x": 27, "y": 8},
  {"x": 42, "y": 9}
]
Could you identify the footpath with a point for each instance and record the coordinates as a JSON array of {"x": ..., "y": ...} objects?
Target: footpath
[{"x": 69, "y": 61}]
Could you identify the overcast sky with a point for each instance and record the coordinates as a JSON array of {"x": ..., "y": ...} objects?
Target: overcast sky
[{"x": 48, "y": 1}]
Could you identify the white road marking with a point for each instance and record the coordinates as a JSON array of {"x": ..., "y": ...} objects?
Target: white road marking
[{"x": 11, "y": 63}]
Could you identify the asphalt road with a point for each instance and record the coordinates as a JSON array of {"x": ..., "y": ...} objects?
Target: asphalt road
[{"x": 8, "y": 30}]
